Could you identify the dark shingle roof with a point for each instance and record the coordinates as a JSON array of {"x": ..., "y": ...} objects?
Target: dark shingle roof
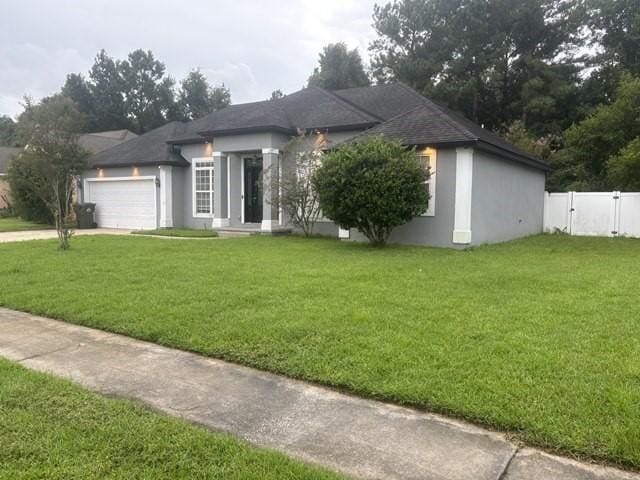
[
  {"x": 315, "y": 108},
  {"x": 310, "y": 108},
  {"x": 148, "y": 149},
  {"x": 394, "y": 110},
  {"x": 383, "y": 101},
  {"x": 122, "y": 134},
  {"x": 98, "y": 141},
  {"x": 434, "y": 125},
  {"x": 266, "y": 115},
  {"x": 6, "y": 153}
]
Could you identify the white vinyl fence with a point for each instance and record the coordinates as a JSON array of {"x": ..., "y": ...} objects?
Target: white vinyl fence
[{"x": 607, "y": 214}]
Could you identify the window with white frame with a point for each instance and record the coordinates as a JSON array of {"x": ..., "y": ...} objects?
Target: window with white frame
[
  {"x": 202, "y": 187},
  {"x": 428, "y": 160}
]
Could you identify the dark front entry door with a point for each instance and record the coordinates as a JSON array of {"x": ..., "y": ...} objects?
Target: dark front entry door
[{"x": 253, "y": 190}]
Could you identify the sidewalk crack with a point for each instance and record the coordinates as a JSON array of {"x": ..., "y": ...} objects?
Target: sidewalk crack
[
  {"x": 44, "y": 353},
  {"x": 503, "y": 475}
]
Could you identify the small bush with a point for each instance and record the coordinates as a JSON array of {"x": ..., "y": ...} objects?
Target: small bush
[
  {"x": 27, "y": 204},
  {"x": 373, "y": 185}
]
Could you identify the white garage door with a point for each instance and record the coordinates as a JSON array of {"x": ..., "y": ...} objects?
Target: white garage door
[{"x": 124, "y": 203}]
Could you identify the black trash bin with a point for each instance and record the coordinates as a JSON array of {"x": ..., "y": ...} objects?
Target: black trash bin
[{"x": 84, "y": 215}]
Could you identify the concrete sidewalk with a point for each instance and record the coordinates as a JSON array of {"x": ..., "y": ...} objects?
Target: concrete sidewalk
[
  {"x": 48, "y": 234},
  {"x": 361, "y": 438}
]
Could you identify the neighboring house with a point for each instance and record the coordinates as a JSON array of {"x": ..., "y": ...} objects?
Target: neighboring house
[
  {"x": 6, "y": 153},
  {"x": 215, "y": 172},
  {"x": 93, "y": 142},
  {"x": 99, "y": 141}
]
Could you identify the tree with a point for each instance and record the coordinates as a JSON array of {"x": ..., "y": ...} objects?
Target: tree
[
  {"x": 617, "y": 29},
  {"x": 623, "y": 169},
  {"x": 590, "y": 143},
  {"x": 413, "y": 41},
  {"x": 137, "y": 94},
  {"x": 298, "y": 198},
  {"x": 53, "y": 156},
  {"x": 373, "y": 185},
  {"x": 339, "y": 68},
  {"x": 107, "y": 89},
  {"x": 77, "y": 89},
  {"x": 149, "y": 99},
  {"x": 276, "y": 94},
  {"x": 496, "y": 61},
  {"x": 197, "y": 98},
  {"x": 26, "y": 200},
  {"x": 519, "y": 136},
  {"x": 7, "y": 132}
]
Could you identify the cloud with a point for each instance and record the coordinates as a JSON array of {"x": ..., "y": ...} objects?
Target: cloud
[{"x": 253, "y": 47}]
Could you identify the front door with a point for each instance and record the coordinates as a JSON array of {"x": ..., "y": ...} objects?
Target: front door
[{"x": 253, "y": 190}]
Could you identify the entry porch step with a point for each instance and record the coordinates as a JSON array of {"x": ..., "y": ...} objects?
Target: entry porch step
[{"x": 253, "y": 229}]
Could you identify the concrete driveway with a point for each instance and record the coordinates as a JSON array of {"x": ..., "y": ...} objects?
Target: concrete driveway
[{"x": 47, "y": 234}]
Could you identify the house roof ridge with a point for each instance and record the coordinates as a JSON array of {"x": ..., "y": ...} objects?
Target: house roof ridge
[
  {"x": 446, "y": 116},
  {"x": 336, "y": 94},
  {"x": 354, "y": 108}
]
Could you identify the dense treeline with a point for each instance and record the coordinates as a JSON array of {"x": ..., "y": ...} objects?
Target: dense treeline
[
  {"x": 135, "y": 93},
  {"x": 560, "y": 78}
]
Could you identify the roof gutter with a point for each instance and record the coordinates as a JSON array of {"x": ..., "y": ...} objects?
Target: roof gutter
[
  {"x": 173, "y": 163},
  {"x": 489, "y": 148},
  {"x": 241, "y": 130},
  {"x": 530, "y": 161},
  {"x": 186, "y": 141}
]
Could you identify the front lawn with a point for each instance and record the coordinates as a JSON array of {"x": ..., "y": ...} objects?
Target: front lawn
[
  {"x": 50, "y": 428},
  {"x": 179, "y": 232},
  {"x": 540, "y": 336},
  {"x": 15, "y": 224}
]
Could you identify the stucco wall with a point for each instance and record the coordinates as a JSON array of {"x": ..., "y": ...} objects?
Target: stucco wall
[
  {"x": 236, "y": 146},
  {"x": 178, "y": 175},
  {"x": 183, "y": 199},
  {"x": 507, "y": 199},
  {"x": 435, "y": 231},
  {"x": 4, "y": 191}
]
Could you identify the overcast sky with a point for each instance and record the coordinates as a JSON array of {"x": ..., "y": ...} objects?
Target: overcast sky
[{"x": 252, "y": 46}]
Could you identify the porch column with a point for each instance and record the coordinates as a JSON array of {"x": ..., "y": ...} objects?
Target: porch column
[
  {"x": 220, "y": 191},
  {"x": 235, "y": 188},
  {"x": 464, "y": 181},
  {"x": 166, "y": 196},
  {"x": 270, "y": 185}
]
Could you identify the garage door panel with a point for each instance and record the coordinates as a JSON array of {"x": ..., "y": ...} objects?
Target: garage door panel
[{"x": 124, "y": 203}]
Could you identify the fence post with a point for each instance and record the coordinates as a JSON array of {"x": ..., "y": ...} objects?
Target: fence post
[
  {"x": 545, "y": 212},
  {"x": 615, "y": 230},
  {"x": 571, "y": 210}
]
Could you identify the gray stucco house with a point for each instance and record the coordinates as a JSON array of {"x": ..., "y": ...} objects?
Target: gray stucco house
[{"x": 216, "y": 172}]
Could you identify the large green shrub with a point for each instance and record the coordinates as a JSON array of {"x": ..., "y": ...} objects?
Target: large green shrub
[
  {"x": 373, "y": 185},
  {"x": 26, "y": 201},
  {"x": 624, "y": 168}
]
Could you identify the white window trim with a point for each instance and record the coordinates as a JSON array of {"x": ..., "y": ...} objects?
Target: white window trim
[
  {"x": 193, "y": 186},
  {"x": 433, "y": 160}
]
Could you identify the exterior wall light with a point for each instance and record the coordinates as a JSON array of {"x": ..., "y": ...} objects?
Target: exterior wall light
[{"x": 136, "y": 172}]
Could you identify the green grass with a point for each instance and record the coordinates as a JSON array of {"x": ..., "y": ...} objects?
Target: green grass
[
  {"x": 50, "y": 428},
  {"x": 179, "y": 232},
  {"x": 539, "y": 336},
  {"x": 15, "y": 224}
]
